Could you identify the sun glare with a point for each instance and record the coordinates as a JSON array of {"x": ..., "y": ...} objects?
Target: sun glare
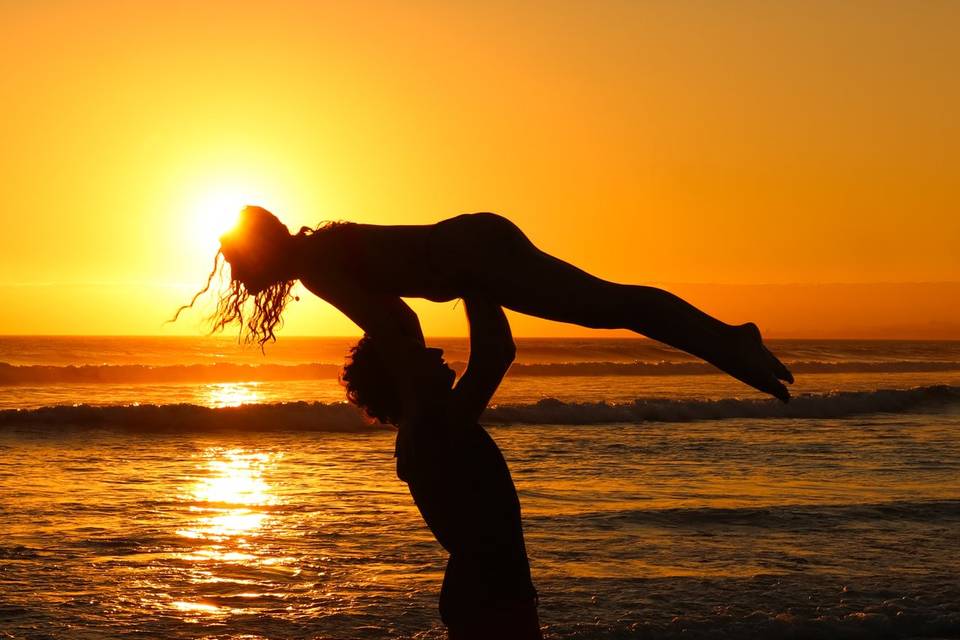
[
  {"x": 232, "y": 394},
  {"x": 215, "y": 213}
]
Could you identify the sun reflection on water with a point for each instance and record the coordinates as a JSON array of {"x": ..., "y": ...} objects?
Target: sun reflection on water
[
  {"x": 229, "y": 506},
  {"x": 182, "y": 605},
  {"x": 232, "y": 394},
  {"x": 236, "y": 477}
]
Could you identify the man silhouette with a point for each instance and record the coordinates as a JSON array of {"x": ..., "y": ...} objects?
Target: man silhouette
[{"x": 455, "y": 472}]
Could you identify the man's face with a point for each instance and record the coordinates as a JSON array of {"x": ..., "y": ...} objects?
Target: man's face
[{"x": 246, "y": 264}]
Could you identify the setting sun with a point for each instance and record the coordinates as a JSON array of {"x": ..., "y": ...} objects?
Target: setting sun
[
  {"x": 214, "y": 213},
  {"x": 730, "y": 157}
]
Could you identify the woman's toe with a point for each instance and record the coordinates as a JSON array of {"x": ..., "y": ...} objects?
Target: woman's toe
[{"x": 782, "y": 393}]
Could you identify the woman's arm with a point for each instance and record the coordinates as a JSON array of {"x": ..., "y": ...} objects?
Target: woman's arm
[
  {"x": 492, "y": 351},
  {"x": 395, "y": 326},
  {"x": 380, "y": 315}
]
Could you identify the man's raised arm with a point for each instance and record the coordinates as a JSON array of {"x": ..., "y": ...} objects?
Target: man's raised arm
[{"x": 492, "y": 351}]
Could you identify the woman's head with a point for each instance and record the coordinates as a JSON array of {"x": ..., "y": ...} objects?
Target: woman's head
[
  {"x": 258, "y": 250},
  {"x": 371, "y": 384}
]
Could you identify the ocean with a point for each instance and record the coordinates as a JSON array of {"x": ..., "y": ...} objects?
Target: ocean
[{"x": 192, "y": 488}]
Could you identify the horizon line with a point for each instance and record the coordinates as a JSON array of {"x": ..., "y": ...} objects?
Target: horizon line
[{"x": 453, "y": 337}]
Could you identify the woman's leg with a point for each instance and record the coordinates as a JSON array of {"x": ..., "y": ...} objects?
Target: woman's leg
[{"x": 493, "y": 256}]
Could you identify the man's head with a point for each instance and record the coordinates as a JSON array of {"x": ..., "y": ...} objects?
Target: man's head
[{"x": 371, "y": 383}]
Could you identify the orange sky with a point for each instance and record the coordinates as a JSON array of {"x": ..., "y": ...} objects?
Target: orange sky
[{"x": 790, "y": 145}]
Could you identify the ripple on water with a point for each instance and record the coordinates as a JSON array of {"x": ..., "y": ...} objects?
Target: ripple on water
[{"x": 752, "y": 533}]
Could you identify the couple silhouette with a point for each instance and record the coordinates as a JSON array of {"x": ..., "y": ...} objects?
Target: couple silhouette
[{"x": 456, "y": 474}]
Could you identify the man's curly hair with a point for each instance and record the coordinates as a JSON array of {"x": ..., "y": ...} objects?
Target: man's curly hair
[{"x": 368, "y": 382}]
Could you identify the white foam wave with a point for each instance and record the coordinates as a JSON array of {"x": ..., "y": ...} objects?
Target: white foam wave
[
  {"x": 293, "y": 416},
  {"x": 837, "y": 404},
  {"x": 318, "y": 416}
]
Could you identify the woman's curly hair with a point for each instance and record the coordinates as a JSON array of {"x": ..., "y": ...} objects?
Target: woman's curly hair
[
  {"x": 259, "y": 315},
  {"x": 368, "y": 382},
  {"x": 259, "y": 320}
]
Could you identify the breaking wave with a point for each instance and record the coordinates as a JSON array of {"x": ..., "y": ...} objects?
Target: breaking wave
[
  {"x": 291, "y": 416},
  {"x": 318, "y": 416},
  {"x": 226, "y": 372},
  {"x": 836, "y": 404}
]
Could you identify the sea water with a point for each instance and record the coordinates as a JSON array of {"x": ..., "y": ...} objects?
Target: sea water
[{"x": 189, "y": 488}]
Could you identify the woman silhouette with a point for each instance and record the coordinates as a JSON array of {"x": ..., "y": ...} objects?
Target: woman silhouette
[{"x": 364, "y": 269}]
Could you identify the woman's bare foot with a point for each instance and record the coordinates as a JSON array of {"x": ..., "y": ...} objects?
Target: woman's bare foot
[{"x": 748, "y": 360}]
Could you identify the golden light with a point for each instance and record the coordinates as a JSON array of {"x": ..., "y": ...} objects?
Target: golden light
[
  {"x": 211, "y": 202},
  {"x": 182, "y": 605},
  {"x": 234, "y": 495},
  {"x": 232, "y": 394},
  {"x": 237, "y": 478},
  {"x": 215, "y": 212}
]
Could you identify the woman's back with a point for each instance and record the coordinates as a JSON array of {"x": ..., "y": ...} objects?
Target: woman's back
[{"x": 388, "y": 259}]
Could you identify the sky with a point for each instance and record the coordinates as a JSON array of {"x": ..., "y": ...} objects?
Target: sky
[{"x": 795, "y": 164}]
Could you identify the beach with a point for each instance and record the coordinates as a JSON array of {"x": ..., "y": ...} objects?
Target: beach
[{"x": 186, "y": 488}]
